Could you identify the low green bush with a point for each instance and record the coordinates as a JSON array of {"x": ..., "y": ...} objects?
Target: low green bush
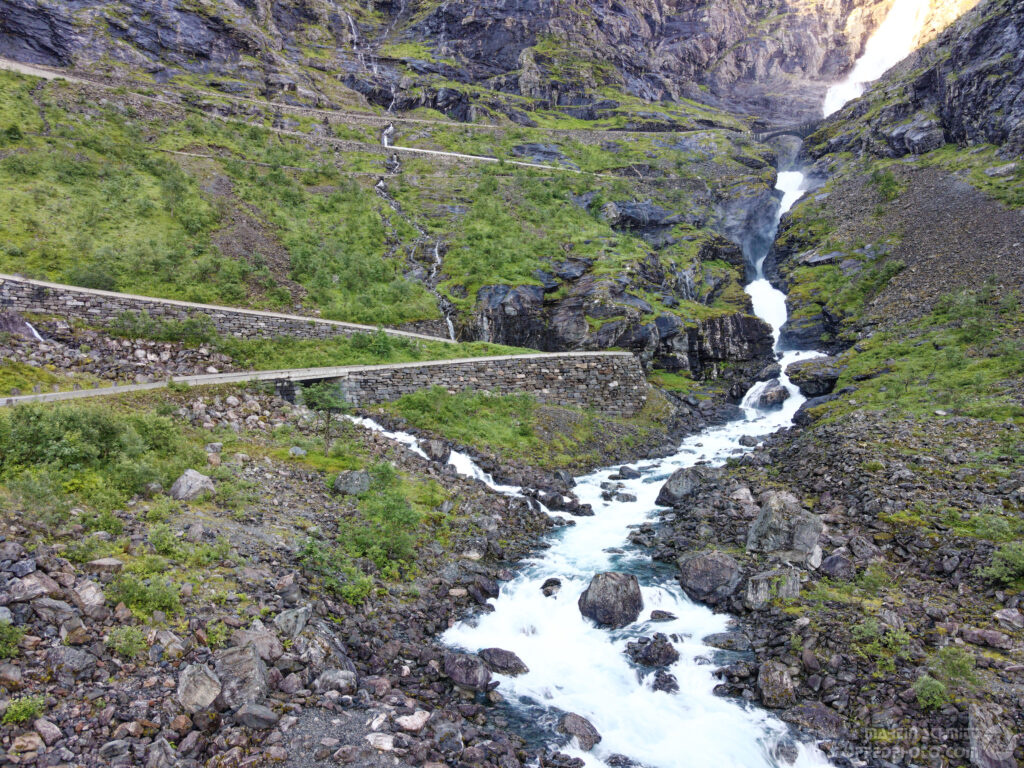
[
  {"x": 144, "y": 596},
  {"x": 24, "y": 709},
  {"x": 931, "y": 693},
  {"x": 9, "y": 637},
  {"x": 1007, "y": 565},
  {"x": 126, "y": 641}
]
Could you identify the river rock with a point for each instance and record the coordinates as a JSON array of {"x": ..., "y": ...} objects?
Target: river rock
[
  {"x": 437, "y": 450},
  {"x": 708, "y": 577},
  {"x": 243, "y": 676},
  {"x": 191, "y": 485},
  {"x": 775, "y": 685},
  {"x": 654, "y": 651},
  {"x": 680, "y": 486},
  {"x": 467, "y": 670},
  {"x": 352, "y": 483},
  {"x": 772, "y": 396},
  {"x": 728, "y": 641},
  {"x": 503, "y": 662},
  {"x": 612, "y": 599},
  {"x": 816, "y": 377},
  {"x": 581, "y": 728},
  {"x": 198, "y": 687},
  {"x": 783, "y": 526},
  {"x": 551, "y": 587}
]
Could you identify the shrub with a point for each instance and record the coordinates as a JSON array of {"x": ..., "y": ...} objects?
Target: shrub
[
  {"x": 24, "y": 709},
  {"x": 126, "y": 641},
  {"x": 931, "y": 693},
  {"x": 9, "y": 637},
  {"x": 1007, "y": 565},
  {"x": 955, "y": 666},
  {"x": 145, "y": 596}
]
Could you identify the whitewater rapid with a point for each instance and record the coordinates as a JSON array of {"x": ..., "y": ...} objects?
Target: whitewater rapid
[
  {"x": 892, "y": 42},
  {"x": 576, "y": 667}
]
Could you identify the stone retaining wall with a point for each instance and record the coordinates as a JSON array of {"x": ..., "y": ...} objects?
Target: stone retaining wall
[
  {"x": 611, "y": 382},
  {"x": 101, "y": 308}
]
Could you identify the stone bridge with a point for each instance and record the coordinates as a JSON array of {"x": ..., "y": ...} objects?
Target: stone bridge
[{"x": 801, "y": 130}]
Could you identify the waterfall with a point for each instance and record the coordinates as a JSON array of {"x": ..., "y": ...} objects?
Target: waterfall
[
  {"x": 892, "y": 42},
  {"x": 576, "y": 667},
  {"x": 33, "y": 331}
]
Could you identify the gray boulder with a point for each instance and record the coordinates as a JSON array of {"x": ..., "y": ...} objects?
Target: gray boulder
[
  {"x": 467, "y": 670},
  {"x": 775, "y": 685},
  {"x": 728, "y": 641},
  {"x": 256, "y": 716},
  {"x": 780, "y": 584},
  {"x": 291, "y": 622},
  {"x": 341, "y": 680},
  {"x": 68, "y": 664},
  {"x": 191, "y": 485},
  {"x": 198, "y": 687},
  {"x": 783, "y": 526},
  {"x": 262, "y": 639},
  {"x": 581, "y": 728},
  {"x": 243, "y": 676},
  {"x": 773, "y": 396},
  {"x": 992, "y": 742},
  {"x": 708, "y": 577},
  {"x": 352, "y": 483},
  {"x": 838, "y": 566},
  {"x": 612, "y": 599},
  {"x": 654, "y": 651},
  {"x": 816, "y": 377},
  {"x": 503, "y": 662},
  {"x": 680, "y": 486}
]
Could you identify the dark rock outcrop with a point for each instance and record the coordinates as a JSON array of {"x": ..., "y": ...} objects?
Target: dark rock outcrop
[
  {"x": 815, "y": 377},
  {"x": 709, "y": 577}
]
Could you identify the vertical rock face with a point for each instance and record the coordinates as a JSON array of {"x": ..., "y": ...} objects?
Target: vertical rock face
[
  {"x": 737, "y": 54},
  {"x": 965, "y": 87}
]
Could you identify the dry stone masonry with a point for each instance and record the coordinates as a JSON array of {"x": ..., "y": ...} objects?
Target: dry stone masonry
[
  {"x": 101, "y": 308},
  {"x": 611, "y": 382}
]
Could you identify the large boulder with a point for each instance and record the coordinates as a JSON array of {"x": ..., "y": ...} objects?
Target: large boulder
[
  {"x": 191, "y": 485},
  {"x": 612, "y": 599},
  {"x": 467, "y": 670},
  {"x": 503, "y": 662},
  {"x": 783, "y": 526},
  {"x": 992, "y": 742},
  {"x": 773, "y": 396},
  {"x": 581, "y": 728},
  {"x": 815, "y": 377},
  {"x": 680, "y": 485},
  {"x": 709, "y": 577},
  {"x": 352, "y": 483},
  {"x": 775, "y": 685},
  {"x": 243, "y": 676},
  {"x": 780, "y": 584},
  {"x": 654, "y": 651},
  {"x": 198, "y": 687}
]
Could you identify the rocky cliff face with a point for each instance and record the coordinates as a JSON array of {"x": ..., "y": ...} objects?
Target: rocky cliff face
[
  {"x": 772, "y": 58},
  {"x": 966, "y": 87}
]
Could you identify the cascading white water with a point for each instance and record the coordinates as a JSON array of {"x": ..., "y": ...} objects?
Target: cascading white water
[
  {"x": 892, "y": 42},
  {"x": 34, "y": 332},
  {"x": 576, "y": 667}
]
